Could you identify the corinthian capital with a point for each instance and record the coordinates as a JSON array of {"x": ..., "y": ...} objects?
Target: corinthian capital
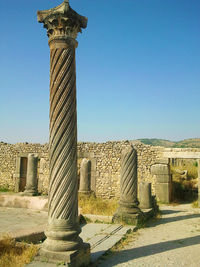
[{"x": 62, "y": 21}]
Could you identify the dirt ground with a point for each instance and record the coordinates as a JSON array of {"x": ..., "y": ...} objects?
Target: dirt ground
[
  {"x": 173, "y": 240},
  {"x": 19, "y": 221}
]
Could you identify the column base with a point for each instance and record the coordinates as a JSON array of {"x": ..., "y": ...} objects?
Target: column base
[
  {"x": 85, "y": 193},
  {"x": 130, "y": 219},
  {"x": 76, "y": 258},
  {"x": 29, "y": 193},
  {"x": 127, "y": 216}
]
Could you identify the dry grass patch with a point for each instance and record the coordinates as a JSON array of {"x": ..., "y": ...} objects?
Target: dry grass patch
[
  {"x": 195, "y": 204},
  {"x": 126, "y": 240},
  {"x": 191, "y": 168},
  {"x": 93, "y": 205},
  {"x": 14, "y": 254},
  {"x": 184, "y": 188}
]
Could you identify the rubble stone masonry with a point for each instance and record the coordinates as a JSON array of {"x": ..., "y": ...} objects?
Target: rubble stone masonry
[{"x": 105, "y": 164}]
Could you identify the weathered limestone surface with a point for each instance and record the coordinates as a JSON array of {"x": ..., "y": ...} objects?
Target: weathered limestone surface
[
  {"x": 163, "y": 182},
  {"x": 105, "y": 164},
  {"x": 145, "y": 197},
  {"x": 160, "y": 169},
  {"x": 31, "y": 182},
  {"x": 17, "y": 175},
  {"x": 199, "y": 183},
  {"x": 85, "y": 177},
  {"x": 10, "y": 169},
  {"x": 128, "y": 210},
  {"x": 108, "y": 158},
  {"x": 181, "y": 153},
  {"x": 63, "y": 242}
]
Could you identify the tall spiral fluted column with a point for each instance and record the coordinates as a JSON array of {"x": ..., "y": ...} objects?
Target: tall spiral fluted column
[
  {"x": 63, "y": 241},
  {"x": 128, "y": 210}
]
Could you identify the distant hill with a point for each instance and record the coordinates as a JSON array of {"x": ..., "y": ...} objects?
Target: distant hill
[{"x": 187, "y": 143}]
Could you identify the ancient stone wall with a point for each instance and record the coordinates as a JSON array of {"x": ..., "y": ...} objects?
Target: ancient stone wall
[
  {"x": 105, "y": 164},
  {"x": 108, "y": 158},
  {"x": 8, "y": 156}
]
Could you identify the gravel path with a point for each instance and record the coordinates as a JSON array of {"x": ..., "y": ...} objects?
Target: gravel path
[{"x": 173, "y": 240}]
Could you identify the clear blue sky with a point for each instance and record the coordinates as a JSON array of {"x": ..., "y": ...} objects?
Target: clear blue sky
[{"x": 138, "y": 70}]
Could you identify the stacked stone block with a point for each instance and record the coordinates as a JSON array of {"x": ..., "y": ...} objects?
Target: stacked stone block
[{"x": 163, "y": 182}]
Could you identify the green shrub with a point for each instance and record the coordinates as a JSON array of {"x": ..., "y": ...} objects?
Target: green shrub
[
  {"x": 4, "y": 189},
  {"x": 195, "y": 164}
]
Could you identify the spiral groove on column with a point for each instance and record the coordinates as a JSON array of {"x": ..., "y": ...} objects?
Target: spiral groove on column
[
  {"x": 129, "y": 174},
  {"x": 63, "y": 25},
  {"x": 63, "y": 203},
  {"x": 128, "y": 210}
]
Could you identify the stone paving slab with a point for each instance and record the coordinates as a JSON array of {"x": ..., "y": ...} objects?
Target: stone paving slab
[
  {"x": 105, "y": 239},
  {"x": 102, "y": 237},
  {"x": 41, "y": 264},
  {"x": 20, "y": 223},
  {"x": 108, "y": 243},
  {"x": 91, "y": 229}
]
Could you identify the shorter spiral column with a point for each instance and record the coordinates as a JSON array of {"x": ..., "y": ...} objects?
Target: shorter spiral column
[{"x": 128, "y": 211}]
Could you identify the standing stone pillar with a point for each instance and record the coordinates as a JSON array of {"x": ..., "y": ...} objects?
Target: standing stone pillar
[
  {"x": 31, "y": 178},
  {"x": 63, "y": 242},
  {"x": 198, "y": 182},
  {"x": 85, "y": 177},
  {"x": 17, "y": 174},
  {"x": 128, "y": 210},
  {"x": 145, "y": 197},
  {"x": 163, "y": 181}
]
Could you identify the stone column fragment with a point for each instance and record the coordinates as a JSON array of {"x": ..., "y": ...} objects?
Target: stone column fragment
[
  {"x": 31, "y": 178},
  {"x": 145, "y": 197},
  {"x": 85, "y": 177},
  {"x": 17, "y": 174},
  {"x": 128, "y": 210},
  {"x": 198, "y": 182},
  {"x": 163, "y": 182},
  {"x": 63, "y": 242}
]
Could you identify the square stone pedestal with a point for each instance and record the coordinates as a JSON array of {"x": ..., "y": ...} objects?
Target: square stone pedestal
[
  {"x": 75, "y": 258},
  {"x": 163, "y": 192},
  {"x": 132, "y": 219}
]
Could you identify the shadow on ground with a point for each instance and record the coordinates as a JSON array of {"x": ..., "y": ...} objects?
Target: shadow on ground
[
  {"x": 153, "y": 249},
  {"x": 165, "y": 212},
  {"x": 172, "y": 219}
]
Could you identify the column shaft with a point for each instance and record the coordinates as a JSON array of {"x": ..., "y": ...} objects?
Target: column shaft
[
  {"x": 85, "y": 177},
  {"x": 63, "y": 242},
  {"x": 128, "y": 211},
  {"x": 63, "y": 191},
  {"x": 31, "y": 179}
]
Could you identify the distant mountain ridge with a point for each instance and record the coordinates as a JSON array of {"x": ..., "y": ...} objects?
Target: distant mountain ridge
[{"x": 187, "y": 143}]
